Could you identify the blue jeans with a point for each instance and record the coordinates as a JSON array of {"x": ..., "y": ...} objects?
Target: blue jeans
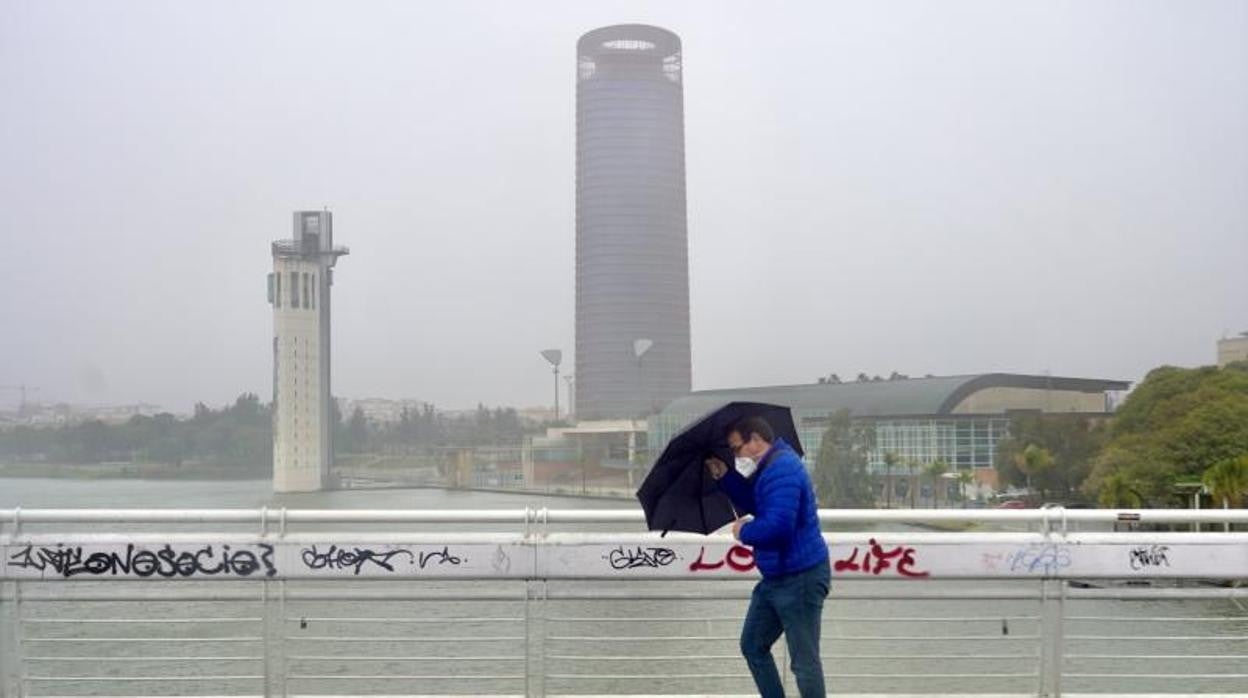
[{"x": 793, "y": 605}]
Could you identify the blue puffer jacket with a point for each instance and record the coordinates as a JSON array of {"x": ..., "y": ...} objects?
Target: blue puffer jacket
[{"x": 785, "y": 530}]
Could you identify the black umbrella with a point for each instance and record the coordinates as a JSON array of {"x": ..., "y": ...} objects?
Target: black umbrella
[{"x": 679, "y": 494}]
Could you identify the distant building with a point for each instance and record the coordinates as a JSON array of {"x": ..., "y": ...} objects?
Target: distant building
[
  {"x": 380, "y": 410},
  {"x": 38, "y": 414},
  {"x": 1233, "y": 349},
  {"x": 611, "y": 444},
  {"x": 537, "y": 414},
  {"x": 958, "y": 419},
  {"x": 632, "y": 266},
  {"x": 299, "y": 291},
  {"x": 115, "y": 414}
]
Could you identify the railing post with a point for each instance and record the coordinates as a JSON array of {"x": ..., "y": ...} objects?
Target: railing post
[
  {"x": 535, "y": 635},
  {"x": 13, "y": 678},
  {"x": 283, "y": 665},
  {"x": 1059, "y": 642},
  {"x": 266, "y": 624},
  {"x": 536, "y": 608},
  {"x": 1052, "y": 632},
  {"x": 19, "y": 686},
  {"x": 1042, "y": 652},
  {"x": 7, "y": 641}
]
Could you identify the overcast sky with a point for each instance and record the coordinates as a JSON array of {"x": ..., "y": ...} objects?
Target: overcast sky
[{"x": 953, "y": 187}]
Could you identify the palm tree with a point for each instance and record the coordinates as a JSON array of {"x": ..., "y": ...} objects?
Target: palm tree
[
  {"x": 912, "y": 483},
  {"x": 965, "y": 477},
  {"x": 1227, "y": 480},
  {"x": 936, "y": 470},
  {"x": 1035, "y": 460},
  {"x": 1117, "y": 493},
  {"x": 890, "y": 461}
]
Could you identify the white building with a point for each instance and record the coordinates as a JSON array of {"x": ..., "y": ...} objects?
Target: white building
[
  {"x": 299, "y": 291},
  {"x": 1232, "y": 349}
]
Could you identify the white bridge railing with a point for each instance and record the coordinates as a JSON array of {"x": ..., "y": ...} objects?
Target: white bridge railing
[{"x": 562, "y": 602}]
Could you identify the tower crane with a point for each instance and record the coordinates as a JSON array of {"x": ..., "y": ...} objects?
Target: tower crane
[{"x": 22, "y": 391}]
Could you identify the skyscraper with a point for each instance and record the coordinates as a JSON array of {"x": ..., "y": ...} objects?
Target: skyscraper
[
  {"x": 632, "y": 260},
  {"x": 299, "y": 291}
]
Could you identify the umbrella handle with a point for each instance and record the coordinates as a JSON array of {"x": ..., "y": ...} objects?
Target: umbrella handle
[{"x": 670, "y": 524}]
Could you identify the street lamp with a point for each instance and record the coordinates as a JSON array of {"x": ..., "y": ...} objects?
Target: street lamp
[
  {"x": 641, "y": 345},
  {"x": 554, "y": 356}
]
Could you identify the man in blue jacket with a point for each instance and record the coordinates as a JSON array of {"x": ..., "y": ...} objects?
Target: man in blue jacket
[{"x": 789, "y": 551}]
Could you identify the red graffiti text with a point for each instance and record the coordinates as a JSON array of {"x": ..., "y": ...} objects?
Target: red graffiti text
[
  {"x": 877, "y": 559},
  {"x": 738, "y": 558}
]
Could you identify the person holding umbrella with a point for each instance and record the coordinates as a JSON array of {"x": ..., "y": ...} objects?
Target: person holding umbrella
[{"x": 789, "y": 550}]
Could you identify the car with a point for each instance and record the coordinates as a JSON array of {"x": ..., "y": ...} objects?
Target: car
[{"x": 1012, "y": 504}]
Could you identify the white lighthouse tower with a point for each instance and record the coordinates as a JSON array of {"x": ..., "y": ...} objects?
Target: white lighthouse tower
[{"x": 299, "y": 291}]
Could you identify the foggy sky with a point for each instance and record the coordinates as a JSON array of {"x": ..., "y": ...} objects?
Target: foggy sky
[{"x": 945, "y": 188}]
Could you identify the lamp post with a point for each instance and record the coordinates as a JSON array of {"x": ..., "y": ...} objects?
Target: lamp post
[
  {"x": 568, "y": 378},
  {"x": 554, "y": 356},
  {"x": 641, "y": 345}
]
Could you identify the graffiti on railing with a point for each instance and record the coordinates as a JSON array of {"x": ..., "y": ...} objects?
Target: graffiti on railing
[
  {"x": 357, "y": 559},
  {"x": 876, "y": 560},
  {"x": 440, "y": 557},
  {"x": 738, "y": 558},
  {"x": 881, "y": 556},
  {"x": 1039, "y": 558},
  {"x": 157, "y": 561},
  {"x": 1035, "y": 558},
  {"x": 622, "y": 558},
  {"x": 1149, "y": 556},
  {"x": 354, "y": 559}
]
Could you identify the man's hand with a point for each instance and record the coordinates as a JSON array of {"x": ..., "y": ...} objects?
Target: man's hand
[
  {"x": 716, "y": 467},
  {"x": 736, "y": 526}
]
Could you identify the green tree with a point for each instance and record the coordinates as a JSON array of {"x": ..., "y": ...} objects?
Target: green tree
[
  {"x": 841, "y": 467},
  {"x": 1227, "y": 481},
  {"x": 1174, "y": 426},
  {"x": 1118, "y": 492},
  {"x": 891, "y": 460},
  {"x": 1036, "y": 463},
  {"x": 357, "y": 430},
  {"x": 1073, "y": 441},
  {"x": 965, "y": 478},
  {"x": 935, "y": 472},
  {"x": 238, "y": 437},
  {"x": 913, "y": 467}
]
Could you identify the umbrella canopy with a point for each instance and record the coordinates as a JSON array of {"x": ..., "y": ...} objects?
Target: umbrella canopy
[{"x": 678, "y": 493}]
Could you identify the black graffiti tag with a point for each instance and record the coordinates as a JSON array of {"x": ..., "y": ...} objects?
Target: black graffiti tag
[
  {"x": 163, "y": 561},
  {"x": 354, "y": 559},
  {"x": 622, "y": 558},
  {"x": 441, "y": 557},
  {"x": 1145, "y": 556}
]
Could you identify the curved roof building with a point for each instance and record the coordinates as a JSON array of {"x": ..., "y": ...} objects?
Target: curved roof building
[
  {"x": 632, "y": 267},
  {"x": 955, "y": 418},
  {"x": 983, "y": 393}
]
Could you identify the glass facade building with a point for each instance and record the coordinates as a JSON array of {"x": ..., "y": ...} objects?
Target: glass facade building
[
  {"x": 957, "y": 419},
  {"x": 632, "y": 269},
  {"x": 963, "y": 443}
]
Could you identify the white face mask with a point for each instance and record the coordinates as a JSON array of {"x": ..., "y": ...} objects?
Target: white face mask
[{"x": 746, "y": 466}]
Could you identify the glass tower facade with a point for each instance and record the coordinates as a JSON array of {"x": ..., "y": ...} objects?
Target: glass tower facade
[{"x": 632, "y": 267}]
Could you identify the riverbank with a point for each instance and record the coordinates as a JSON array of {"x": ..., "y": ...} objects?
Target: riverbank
[{"x": 200, "y": 472}]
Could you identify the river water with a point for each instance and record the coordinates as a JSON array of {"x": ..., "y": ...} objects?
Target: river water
[{"x": 603, "y": 646}]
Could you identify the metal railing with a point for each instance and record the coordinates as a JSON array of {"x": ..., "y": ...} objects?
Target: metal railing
[{"x": 563, "y": 602}]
